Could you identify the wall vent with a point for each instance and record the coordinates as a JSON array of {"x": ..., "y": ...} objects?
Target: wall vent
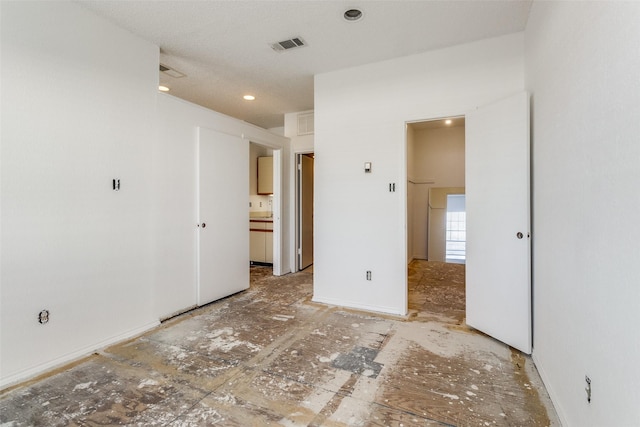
[
  {"x": 288, "y": 44},
  {"x": 305, "y": 123},
  {"x": 170, "y": 71}
]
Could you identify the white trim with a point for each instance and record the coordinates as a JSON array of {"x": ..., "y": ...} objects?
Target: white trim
[
  {"x": 294, "y": 208},
  {"x": 198, "y": 219},
  {"x": 297, "y": 244},
  {"x": 276, "y": 210},
  {"x": 553, "y": 396},
  {"x": 71, "y": 357},
  {"x": 358, "y": 306},
  {"x": 177, "y": 313}
]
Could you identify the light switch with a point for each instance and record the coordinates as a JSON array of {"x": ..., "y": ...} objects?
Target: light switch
[{"x": 367, "y": 167}]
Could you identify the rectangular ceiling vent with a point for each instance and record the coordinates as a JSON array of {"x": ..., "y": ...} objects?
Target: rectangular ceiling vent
[
  {"x": 288, "y": 44},
  {"x": 305, "y": 123},
  {"x": 171, "y": 72}
]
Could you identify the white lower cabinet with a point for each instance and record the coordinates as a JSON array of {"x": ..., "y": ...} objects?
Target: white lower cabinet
[
  {"x": 268, "y": 247},
  {"x": 257, "y": 242},
  {"x": 261, "y": 241}
]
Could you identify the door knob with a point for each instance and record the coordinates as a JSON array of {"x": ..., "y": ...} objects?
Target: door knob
[
  {"x": 204, "y": 224},
  {"x": 519, "y": 235}
]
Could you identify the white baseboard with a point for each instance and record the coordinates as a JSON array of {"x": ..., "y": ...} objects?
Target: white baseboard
[
  {"x": 72, "y": 357},
  {"x": 552, "y": 395},
  {"x": 365, "y": 307}
]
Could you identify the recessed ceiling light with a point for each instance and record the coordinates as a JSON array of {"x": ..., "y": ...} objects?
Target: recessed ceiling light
[
  {"x": 352, "y": 15},
  {"x": 163, "y": 88},
  {"x": 447, "y": 122},
  {"x": 249, "y": 97}
]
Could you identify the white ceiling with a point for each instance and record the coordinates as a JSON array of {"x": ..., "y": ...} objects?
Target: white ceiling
[{"x": 223, "y": 47}]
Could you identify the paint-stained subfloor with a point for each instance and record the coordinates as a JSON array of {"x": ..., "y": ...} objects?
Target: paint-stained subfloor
[{"x": 270, "y": 356}]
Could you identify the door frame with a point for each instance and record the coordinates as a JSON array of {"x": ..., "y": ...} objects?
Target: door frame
[
  {"x": 277, "y": 202},
  {"x": 405, "y": 171},
  {"x": 297, "y": 207}
]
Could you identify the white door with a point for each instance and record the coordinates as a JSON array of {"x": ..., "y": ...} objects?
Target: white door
[
  {"x": 498, "y": 278},
  {"x": 223, "y": 236},
  {"x": 306, "y": 211}
]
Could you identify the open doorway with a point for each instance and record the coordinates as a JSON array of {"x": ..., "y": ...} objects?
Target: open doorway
[
  {"x": 497, "y": 269},
  {"x": 435, "y": 171},
  {"x": 304, "y": 211},
  {"x": 261, "y": 206},
  {"x": 435, "y": 213}
]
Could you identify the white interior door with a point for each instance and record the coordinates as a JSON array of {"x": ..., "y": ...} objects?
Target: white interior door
[
  {"x": 498, "y": 278},
  {"x": 223, "y": 236},
  {"x": 306, "y": 211}
]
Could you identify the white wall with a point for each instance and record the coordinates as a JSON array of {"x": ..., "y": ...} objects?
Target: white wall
[
  {"x": 175, "y": 214},
  {"x": 78, "y": 109},
  {"x": 582, "y": 69},
  {"x": 277, "y": 130},
  {"x": 360, "y": 116},
  {"x": 299, "y": 143}
]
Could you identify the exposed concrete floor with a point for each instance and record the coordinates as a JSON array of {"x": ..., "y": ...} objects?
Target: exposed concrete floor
[{"x": 268, "y": 356}]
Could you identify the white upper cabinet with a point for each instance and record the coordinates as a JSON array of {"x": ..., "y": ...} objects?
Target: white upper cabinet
[{"x": 265, "y": 175}]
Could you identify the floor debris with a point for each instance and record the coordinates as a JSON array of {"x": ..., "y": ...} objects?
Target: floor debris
[{"x": 269, "y": 356}]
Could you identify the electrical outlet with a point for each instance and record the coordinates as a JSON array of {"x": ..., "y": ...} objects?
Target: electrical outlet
[{"x": 43, "y": 317}]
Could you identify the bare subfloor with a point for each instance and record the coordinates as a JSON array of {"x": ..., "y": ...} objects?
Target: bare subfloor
[{"x": 268, "y": 356}]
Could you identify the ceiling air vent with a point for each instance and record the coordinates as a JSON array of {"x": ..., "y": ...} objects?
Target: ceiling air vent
[
  {"x": 171, "y": 72},
  {"x": 288, "y": 44},
  {"x": 305, "y": 123}
]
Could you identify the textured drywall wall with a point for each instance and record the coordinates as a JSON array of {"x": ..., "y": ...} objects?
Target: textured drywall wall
[
  {"x": 78, "y": 110},
  {"x": 582, "y": 68}
]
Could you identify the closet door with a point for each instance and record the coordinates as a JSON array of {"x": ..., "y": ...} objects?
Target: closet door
[{"x": 223, "y": 215}]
